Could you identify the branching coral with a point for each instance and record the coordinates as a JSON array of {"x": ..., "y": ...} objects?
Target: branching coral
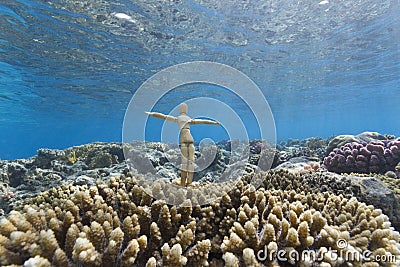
[
  {"x": 119, "y": 225},
  {"x": 367, "y": 189}
]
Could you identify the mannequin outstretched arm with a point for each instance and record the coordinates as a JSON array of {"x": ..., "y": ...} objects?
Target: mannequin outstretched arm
[
  {"x": 201, "y": 121},
  {"x": 162, "y": 116}
]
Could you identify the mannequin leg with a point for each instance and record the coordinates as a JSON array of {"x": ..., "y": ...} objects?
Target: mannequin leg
[
  {"x": 190, "y": 163},
  {"x": 184, "y": 168}
]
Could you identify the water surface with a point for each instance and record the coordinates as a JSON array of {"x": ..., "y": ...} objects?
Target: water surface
[{"x": 69, "y": 68}]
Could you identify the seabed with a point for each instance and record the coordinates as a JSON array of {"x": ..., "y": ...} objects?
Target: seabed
[{"x": 324, "y": 202}]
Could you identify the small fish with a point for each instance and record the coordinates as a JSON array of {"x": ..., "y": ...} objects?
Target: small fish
[{"x": 72, "y": 158}]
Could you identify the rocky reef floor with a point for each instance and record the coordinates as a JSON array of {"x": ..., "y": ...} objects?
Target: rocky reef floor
[{"x": 83, "y": 206}]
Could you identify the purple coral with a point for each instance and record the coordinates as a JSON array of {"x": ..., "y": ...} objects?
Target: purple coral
[
  {"x": 376, "y": 157},
  {"x": 257, "y": 146}
]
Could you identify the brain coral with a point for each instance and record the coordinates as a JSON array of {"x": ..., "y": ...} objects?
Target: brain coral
[
  {"x": 375, "y": 157},
  {"x": 116, "y": 224}
]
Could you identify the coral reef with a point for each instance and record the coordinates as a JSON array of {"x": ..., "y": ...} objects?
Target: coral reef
[
  {"x": 117, "y": 224},
  {"x": 397, "y": 170},
  {"x": 26, "y": 178},
  {"x": 314, "y": 147},
  {"x": 101, "y": 215},
  {"x": 300, "y": 164},
  {"x": 390, "y": 179},
  {"x": 50, "y": 166},
  {"x": 165, "y": 159},
  {"x": 367, "y": 137},
  {"x": 375, "y": 191},
  {"x": 373, "y": 157},
  {"x": 364, "y": 187},
  {"x": 84, "y": 164}
]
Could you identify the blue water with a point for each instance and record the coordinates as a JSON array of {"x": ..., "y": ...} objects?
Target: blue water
[{"x": 68, "y": 69}]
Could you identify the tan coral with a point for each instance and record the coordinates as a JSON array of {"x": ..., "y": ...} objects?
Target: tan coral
[
  {"x": 119, "y": 224},
  {"x": 114, "y": 245},
  {"x": 131, "y": 227},
  {"x": 97, "y": 236},
  {"x": 172, "y": 257},
  {"x": 85, "y": 253},
  {"x": 152, "y": 262},
  {"x": 48, "y": 243},
  {"x": 129, "y": 255},
  {"x": 37, "y": 261},
  {"x": 198, "y": 254},
  {"x": 6, "y": 227},
  {"x": 184, "y": 237},
  {"x": 250, "y": 259},
  {"x": 230, "y": 260},
  {"x": 60, "y": 258}
]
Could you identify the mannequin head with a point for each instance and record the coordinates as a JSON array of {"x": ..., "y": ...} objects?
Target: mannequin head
[{"x": 183, "y": 108}]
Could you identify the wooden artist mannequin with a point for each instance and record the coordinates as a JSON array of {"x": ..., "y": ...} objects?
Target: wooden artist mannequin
[{"x": 186, "y": 140}]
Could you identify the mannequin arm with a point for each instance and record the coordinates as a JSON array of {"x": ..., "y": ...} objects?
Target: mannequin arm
[
  {"x": 200, "y": 121},
  {"x": 162, "y": 116}
]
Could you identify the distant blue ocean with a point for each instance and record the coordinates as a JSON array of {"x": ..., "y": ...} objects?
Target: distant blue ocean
[{"x": 69, "y": 68}]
